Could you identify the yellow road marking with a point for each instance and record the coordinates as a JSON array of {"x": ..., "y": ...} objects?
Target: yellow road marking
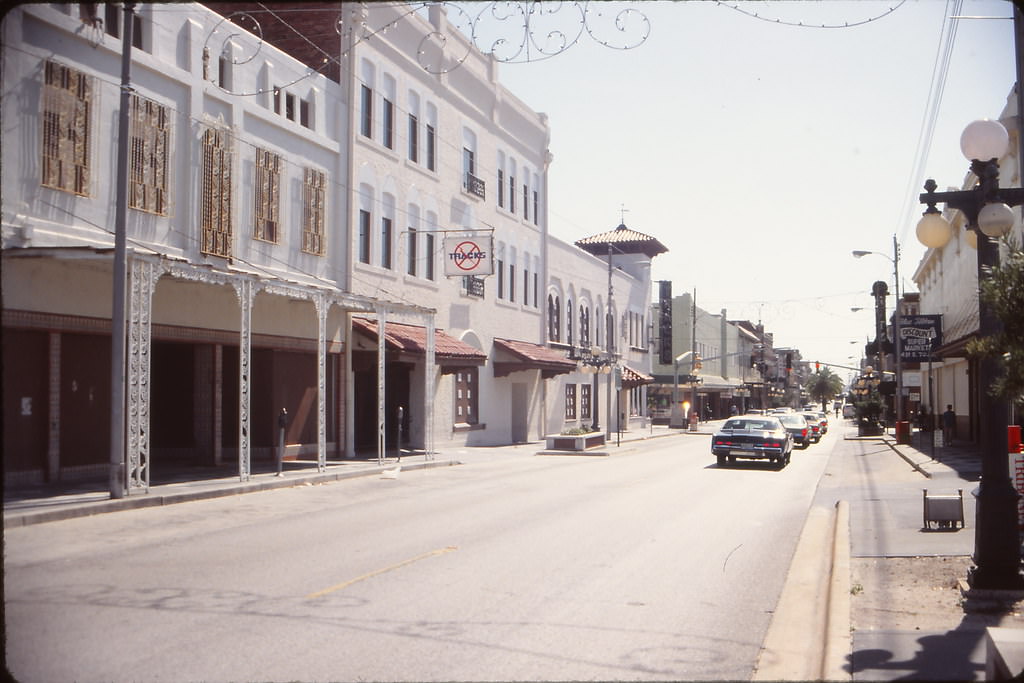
[{"x": 346, "y": 584}]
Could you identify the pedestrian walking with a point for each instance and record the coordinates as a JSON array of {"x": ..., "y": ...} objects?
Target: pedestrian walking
[{"x": 948, "y": 425}]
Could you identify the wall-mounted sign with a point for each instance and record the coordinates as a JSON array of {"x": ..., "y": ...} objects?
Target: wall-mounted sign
[
  {"x": 468, "y": 256},
  {"x": 920, "y": 337}
]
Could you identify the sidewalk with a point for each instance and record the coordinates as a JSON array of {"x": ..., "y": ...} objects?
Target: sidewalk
[
  {"x": 35, "y": 504},
  {"x": 913, "y": 617}
]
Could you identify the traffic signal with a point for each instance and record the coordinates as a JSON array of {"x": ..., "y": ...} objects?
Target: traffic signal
[
  {"x": 697, "y": 364},
  {"x": 817, "y": 366},
  {"x": 789, "y": 362}
]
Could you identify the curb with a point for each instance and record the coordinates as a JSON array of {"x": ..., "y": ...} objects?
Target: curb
[
  {"x": 804, "y": 642},
  {"x": 88, "y": 509}
]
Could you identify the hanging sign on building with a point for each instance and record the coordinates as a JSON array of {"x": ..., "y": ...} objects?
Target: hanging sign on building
[
  {"x": 920, "y": 337},
  {"x": 468, "y": 256}
]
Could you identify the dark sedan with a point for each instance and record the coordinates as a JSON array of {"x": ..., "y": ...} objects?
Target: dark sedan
[
  {"x": 752, "y": 437},
  {"x": 797, "y": 425},
  {"x": 814, "y": 424}
]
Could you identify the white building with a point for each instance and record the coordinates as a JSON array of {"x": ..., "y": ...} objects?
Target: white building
[{"x": 282, "y": 208}]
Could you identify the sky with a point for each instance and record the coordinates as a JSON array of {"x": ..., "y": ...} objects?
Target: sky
[{"x": 760, "y": 153}]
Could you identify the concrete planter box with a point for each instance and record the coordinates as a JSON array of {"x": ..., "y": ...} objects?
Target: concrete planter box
[{"x": 577, "y": 442}]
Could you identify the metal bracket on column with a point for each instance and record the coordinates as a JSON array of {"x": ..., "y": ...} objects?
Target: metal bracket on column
[{"x": 143, "y": 276}]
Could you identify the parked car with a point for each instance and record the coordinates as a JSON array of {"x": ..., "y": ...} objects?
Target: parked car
[
  {"x": 797, "y": 426},
  {"x": 753, "y": 438},
  {"x": 814, "y": 423},
  {"x": 823, "y": 419}
]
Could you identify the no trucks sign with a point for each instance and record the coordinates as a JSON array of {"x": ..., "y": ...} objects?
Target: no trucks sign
[{"x": 468, "y": 256}]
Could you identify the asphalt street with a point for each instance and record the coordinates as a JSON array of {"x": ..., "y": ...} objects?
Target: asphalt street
[{"x": 650, "y": 564}]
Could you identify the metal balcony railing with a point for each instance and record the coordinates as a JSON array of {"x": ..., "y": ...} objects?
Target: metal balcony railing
[
  {"x": 473, "y": 285},
  {"x": 475, "y": 186}
]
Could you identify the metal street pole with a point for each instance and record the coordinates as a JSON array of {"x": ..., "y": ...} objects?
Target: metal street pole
[
  {"x": 117, "y": 316},
  {"x": 896, "y": 331}
]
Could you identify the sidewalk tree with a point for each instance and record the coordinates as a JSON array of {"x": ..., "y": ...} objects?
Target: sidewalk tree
[
  {"x": 1004, "y": 292},
  {"x": 823, "y": 386}
]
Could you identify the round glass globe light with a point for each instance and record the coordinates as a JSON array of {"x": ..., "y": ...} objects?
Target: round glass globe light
[
  {"x": 996, "y": 219},
  {"x": 934, "y": 231},
  {"x": 983, "y": 140}
]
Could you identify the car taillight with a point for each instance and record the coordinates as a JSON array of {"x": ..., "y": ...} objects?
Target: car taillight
[{"x": 803, "y": 433}]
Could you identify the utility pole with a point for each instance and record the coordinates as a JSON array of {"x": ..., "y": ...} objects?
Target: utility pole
[{"x": 117, "y": 317}]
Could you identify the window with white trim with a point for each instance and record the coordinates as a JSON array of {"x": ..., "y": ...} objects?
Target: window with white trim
[
  {"x": 570, "y": 401},
  {"x": 466, "y": 400},
  {"x": 215, "y": 209},
  {"x": 67, "y": 129},
  {"x": 149, "y": 131},
  {"x": 314, "y": 192},
  {"x": 267, "y": 194},
  {"x": 431, "y": 137},
  {"x": 387, "y": 233}
]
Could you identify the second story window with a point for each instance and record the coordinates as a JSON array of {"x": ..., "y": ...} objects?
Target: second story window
[
  {"x": 386, "y": 233},
  {"x": 414, "y": 139},
  {"x": 428, "y": 248},
  {"x": 215, "y": 211},
  {"x": 431, "y": 148},
  {"x": 313, "y": 194},
  {"x": 413, "y": 244},
  {"x": 366, "y": 112},
  {"x": 267, "y": 192},
  {"x": 364, "y": 236},
  {"x": 67, "y": 133},
  {"x": 149, "y": 133},
  {"x": 388, "y": 124}
]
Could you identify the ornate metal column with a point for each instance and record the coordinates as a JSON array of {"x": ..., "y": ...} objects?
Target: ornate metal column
[
  {"x": 322, "y": 305},
  {"x": 246, "y": 292},
  {"x": 381, "y": 323},
  {"x": 143, "y": 276},
  {"x": 430, "y": 372}
]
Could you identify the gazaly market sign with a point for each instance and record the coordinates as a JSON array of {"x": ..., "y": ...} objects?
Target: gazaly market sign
[
  {"x": 468, "y": 256},
  {"x": 920, "y": 337}
]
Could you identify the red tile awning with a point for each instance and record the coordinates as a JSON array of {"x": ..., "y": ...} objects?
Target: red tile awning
[
  {"x": 511, "y": 355},
  {"x": 631, "y": 379},
  {"x": 412, "y": 339}
]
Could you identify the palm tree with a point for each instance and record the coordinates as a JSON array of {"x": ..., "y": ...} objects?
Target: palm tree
[{"x": 823, "y": 386}]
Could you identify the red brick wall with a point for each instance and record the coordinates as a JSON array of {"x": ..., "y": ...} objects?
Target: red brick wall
[{"x": 291, "y": 27}]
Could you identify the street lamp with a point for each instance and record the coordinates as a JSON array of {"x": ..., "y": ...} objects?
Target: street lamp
[
  {"x": 895, "y": 260},
  {"x": 594, "y": 362},
  {"x": 986, "y": 208}
]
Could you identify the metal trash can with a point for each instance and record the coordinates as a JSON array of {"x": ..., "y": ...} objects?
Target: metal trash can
[{"x": 903, "y": 432}]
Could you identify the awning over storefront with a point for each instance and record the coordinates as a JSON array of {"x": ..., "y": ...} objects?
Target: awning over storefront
[
  {"x": 631, "y": 379},
  {"x": 412, "y": 340},
  {"x": 511, "y": 355}
]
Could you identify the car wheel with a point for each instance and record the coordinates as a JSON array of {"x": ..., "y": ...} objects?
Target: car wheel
[
  {"x": 805, "y": 445},
  {"x": 721, "y": 461}
]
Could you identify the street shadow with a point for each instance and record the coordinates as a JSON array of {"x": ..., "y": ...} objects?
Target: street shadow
[
  {"x": 938, "y": 657},
  {"x": 746, "y": 465}
]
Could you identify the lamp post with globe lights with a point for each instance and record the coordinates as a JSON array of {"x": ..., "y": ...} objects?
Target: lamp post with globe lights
[
  {"x": 895, "y": 260},
  {"x": 986, "y": 208}
]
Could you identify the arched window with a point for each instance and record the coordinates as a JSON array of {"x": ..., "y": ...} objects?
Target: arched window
[
  {"x": 554, "y": 309},
  {"x": 568, "y": 322},
  {"x": 584, "y": 326}
]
